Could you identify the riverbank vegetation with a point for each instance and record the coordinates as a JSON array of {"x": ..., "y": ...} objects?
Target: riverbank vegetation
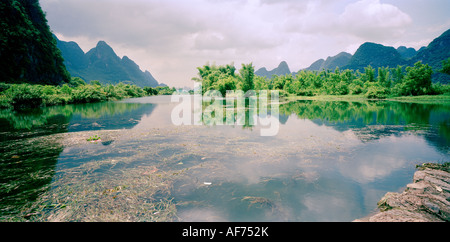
[
  {"x": 373, "y": 84},
  {"x": 400, "y": 83},
  {"x": 21, "y": 96}
]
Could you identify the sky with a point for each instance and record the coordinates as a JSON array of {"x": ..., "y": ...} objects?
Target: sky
[{"x": 171, "y": 38}]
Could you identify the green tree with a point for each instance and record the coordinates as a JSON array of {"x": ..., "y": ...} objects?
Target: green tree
[
  {"x": 246, "y": 77},
  {"x": 225, "y": 83},
  {"x": 28, "y": 50},
  {"x": 445, "y": 67},
  {"x": 150, "y": 91},
  {"x": 341, "y": 88},
  {"x": 397, "y": 74},
  {"x": 216, "y": 78},
  {"x": 89, "y": 94},
  {"x": 384, "y": 77},
  {"x": 417, "y": 80},
  {"x": 261, "y": 83},
  {"x": 229, "y": 70},
  {"x": 95, "y": 82},
  {"x": 377, "y": 91},
  {"x": 369, "y": 74},
  {"x": 277, "y": 82},
  {"x": 356, "y": 87},
  {"x": 76, "y": 82}
]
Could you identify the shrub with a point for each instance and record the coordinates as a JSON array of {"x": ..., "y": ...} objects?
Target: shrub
[
  {"x": 283, "y": 93},
  {"x": 5, "y": 102},
  {"x": 57, "y": 99},
  {"x": 88, "y": 94},
  {"x": 341, "y": 88},
  {"x": 76, "y": 82},
  {"x": 20, "y": 96},
  {"x": 48, "y": 90},
  {"x": 25, "y": 95},
  {"x": 131, "y": 90},
  {"x": 356, "y": 87},
  {"x": 305, "y": 92},
  {"x": 95, "y": 82},
  {"x": 165, "y": 90},
  {"x": 65, "y": 89},
  {"x": 377, "y": 92},
  {"x": 438, "y": 88},
  {"x": 150, "y": 91},
  {"x": 4, "y": 87}
]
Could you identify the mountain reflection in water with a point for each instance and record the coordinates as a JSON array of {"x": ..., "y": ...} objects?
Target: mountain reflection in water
[{"x": 331, "y": 161}]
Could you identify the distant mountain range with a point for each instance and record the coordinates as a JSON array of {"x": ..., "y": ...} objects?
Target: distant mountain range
[
  {"x": 102, "y": 63},
  {"x": 377, "y": 55},
  {"x": 282, "y": 69},
  {"x": 340, "y": 60}
]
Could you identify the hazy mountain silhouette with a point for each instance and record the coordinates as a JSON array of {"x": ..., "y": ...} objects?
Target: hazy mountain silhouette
[{"x": 102, "y": 63}]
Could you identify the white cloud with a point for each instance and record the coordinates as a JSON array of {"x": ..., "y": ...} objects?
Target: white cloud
[
  {"x": 371, "y": 19},
  {"x": 366, "y": 19},
  {"x": 171, "y": 38}
]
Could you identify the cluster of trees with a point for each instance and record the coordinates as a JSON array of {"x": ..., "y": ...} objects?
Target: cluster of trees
[
  {"x": 384, "y": 82},
  {"x": 223, "y": 78},
  {"x": 153, "y": 91},
  {"x": 20, "y": 96}
]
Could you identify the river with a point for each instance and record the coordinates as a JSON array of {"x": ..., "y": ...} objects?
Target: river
[{"x": 329, "y": 161}]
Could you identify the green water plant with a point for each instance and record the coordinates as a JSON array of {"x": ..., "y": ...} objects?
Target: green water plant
[{"x": 94, "y": 138}]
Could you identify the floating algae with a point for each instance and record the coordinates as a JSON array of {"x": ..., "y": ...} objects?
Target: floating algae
[
  {"x": 315, "y": 169},
  {"x": 127, "y": 196},
  {"x": 145, "y": 175},
  {"x": 259, "y": 202},
  {"x": 92, "y": 185}
]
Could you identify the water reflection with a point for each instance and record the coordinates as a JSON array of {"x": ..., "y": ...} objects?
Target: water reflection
[
  {"x": 29, "y": 150},
  {"x": 353, "y": 115},
  {"x": 26, "y": 170},
  {"x": 315, "y": 174},
  {"x": 331, "y": 161},
  {"x": 356, "y": 151}
]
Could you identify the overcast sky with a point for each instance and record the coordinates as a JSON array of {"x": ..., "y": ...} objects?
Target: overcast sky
[{"x": 170, "y": 38}]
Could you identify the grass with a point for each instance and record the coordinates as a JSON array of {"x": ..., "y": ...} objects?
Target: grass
[
  {"x": 444, "y": 98},
  {"x": 434, "y": 166},
  {"x": 425, "y": 99},
  {"x": 329, "y": 98}
]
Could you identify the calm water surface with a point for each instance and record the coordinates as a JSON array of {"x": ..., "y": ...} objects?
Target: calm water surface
[{"x": 331, "y": 161}]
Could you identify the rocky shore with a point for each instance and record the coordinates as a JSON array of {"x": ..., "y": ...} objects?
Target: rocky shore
[{"x": 427, "y": 199}]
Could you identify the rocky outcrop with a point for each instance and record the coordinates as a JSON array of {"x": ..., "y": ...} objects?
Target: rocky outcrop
[
  {"x": 427, "y": 199},
  {"x": 28, "y": 52}
]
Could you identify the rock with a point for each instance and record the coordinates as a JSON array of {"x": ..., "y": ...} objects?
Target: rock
[
  {"x": 427, "y": 199},
  {"x": 432, "y": 207},
  {"x": 418, "y": 186},
  {"x": 399, "y": 215}
]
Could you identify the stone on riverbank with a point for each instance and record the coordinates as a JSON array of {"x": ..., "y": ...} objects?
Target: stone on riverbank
[{"x": 427, "y": 199}]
